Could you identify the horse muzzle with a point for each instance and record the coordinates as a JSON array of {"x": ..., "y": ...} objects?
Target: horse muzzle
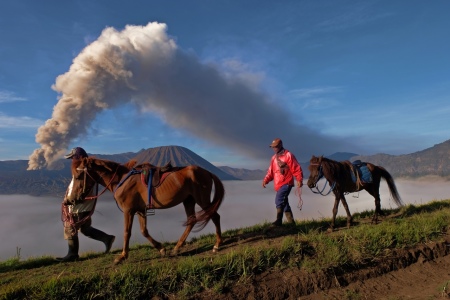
[{"x": 311, "y": 183}]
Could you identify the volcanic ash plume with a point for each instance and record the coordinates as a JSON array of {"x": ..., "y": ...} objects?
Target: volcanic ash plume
[
  {"x": 102, "y": 76},
  {"x": 142, "y": 65}
]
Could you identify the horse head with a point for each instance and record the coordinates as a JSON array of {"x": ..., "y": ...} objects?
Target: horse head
[
  {"x": 82, "y": 182},
  {"x": 315, "y": 172}
]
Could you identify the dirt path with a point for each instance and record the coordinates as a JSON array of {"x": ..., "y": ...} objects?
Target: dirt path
[
  {"x": 422, "y": 280},
  {"x": 419, "y": 273}
]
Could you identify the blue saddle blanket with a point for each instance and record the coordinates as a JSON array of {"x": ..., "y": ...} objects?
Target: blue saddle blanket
[{"x": 363, "y": 171}]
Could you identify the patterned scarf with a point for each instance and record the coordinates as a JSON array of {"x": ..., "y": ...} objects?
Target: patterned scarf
[{"x": 281, "y": 164}]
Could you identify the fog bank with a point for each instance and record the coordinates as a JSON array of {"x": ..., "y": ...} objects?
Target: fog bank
[{"x": 33, "y": 224}]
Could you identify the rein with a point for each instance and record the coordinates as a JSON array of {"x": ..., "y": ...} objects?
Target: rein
[
  {"x": 317, "y": 191},
  {"x": 104, "y": 190},
  {"x": 67, "y": 217},
  {"x": 298, "y": 193}
]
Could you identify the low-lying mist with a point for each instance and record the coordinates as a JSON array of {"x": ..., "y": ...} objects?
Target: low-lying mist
[{"x": 32, "y": 227}]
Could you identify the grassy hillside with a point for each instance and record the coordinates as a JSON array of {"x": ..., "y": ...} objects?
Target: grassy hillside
[{"x": 247, "y": 256}]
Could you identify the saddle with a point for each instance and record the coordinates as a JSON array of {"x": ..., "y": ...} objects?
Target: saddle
[
  {"x": 158, "y": 173},
  {"x": 361, "y": 173}
]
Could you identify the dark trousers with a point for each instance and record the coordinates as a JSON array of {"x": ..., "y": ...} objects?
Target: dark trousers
[{"x": 281, "y": 199}]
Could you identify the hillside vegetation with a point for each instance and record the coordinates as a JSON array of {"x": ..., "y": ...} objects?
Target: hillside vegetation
[
  {"x": 253, "y": 263},
  {"x": 434, "y": 161}
]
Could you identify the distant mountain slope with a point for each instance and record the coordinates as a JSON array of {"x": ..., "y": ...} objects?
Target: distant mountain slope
[
  {"x": 244, "y": 174},
  {"x": 341, "y": 156},
  {"x": 120, "y": 158},
  {"x": 179, "y": 156},
  {"x": 15, "y": 179},
  {"x": 431, "y": 161}
]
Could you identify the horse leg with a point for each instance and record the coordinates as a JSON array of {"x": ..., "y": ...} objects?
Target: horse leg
[
  {"x": 347, "y": 210},
  {"x": 374, "y": 191},
  {"x": 144, "y": 231},
  {"x": 335, "y": 210},
  {"x": 378, "y": 211},
  {"x": 128, "y": 224},
  {"x": 216, "y": 220},
  {"x": 189, "y": 207}
]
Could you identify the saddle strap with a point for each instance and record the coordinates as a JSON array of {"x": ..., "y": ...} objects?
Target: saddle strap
[
  {"x": 150, "y": 186},
  {"x": 358, "y": 178}
]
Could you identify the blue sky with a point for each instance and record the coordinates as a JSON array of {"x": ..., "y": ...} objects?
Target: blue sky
[{"x": 223, "y": 78}]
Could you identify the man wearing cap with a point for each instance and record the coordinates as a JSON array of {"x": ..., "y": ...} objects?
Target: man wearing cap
[
  {"x": 77, "y": 216},
  {"x": 282, "y": 170}
]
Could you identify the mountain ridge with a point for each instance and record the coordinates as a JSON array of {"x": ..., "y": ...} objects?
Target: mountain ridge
[{"x": 15, "y": 179}]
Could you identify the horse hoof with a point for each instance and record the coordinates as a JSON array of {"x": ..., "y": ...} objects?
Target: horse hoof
[
  {"x": 174, "y": 252},
  {"x": 119, "y": 260},
  {"x": 163, "y": 252},
  {"x": 215, "y": 249}
]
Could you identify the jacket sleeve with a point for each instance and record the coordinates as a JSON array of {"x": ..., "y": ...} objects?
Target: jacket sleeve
[
  {"x": 269, "y": 175},
  {"x": 295, "y": 168}
]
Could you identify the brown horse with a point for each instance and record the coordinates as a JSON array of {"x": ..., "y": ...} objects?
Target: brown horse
[
  {"x": 188, "y": 185},
  {"x": 341, "y": 181}
]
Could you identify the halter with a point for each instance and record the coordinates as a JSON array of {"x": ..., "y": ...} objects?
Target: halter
[
  {"x": 319, "y": 176},
  {"x": 86, "y": 173}
]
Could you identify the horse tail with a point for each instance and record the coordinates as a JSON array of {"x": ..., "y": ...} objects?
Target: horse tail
[
  {"x": 391, "y": 184},
  {"x": 202, "y": 217}
]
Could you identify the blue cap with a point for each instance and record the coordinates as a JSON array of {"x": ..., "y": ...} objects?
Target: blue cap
[{"x": 76, "y": 153}]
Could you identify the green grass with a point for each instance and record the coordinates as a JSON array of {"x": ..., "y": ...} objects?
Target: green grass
[{"x": 145, "y": 274}]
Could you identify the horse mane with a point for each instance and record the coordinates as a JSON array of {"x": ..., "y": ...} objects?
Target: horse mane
[
  {"x": 108, "y": 164},
  {"x": 144, "y": 165},
  {"x": 335, "y": 169}
]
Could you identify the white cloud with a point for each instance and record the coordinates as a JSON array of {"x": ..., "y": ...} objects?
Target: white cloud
[
  {"x": 316, "y": 97},
  {"x": 9, "y": 122},
  {"x": 6, "y": 96},
  {"x": 358, "y": 15}
]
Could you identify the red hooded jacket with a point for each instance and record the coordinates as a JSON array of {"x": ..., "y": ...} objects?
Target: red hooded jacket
[{"x": 292, "y": 168}]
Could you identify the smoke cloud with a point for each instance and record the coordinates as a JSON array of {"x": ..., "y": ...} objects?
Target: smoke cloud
[{"x": 142, "y": 65}]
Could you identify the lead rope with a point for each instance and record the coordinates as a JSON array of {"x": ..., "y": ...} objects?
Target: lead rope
[
  {"x": 149, "y": 210},
  {"x": 67, "y": 217},
  {"x": 298, "y": 193}
]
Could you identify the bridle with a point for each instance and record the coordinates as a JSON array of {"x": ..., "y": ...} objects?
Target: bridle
[
  {"x": 66, "y": 216},
  {"x": 86, "y": 174},
  {"x": 319, "y": 176}
]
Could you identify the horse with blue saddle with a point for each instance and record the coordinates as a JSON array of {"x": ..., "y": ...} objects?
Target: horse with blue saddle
[{"x": 345, "y": 177}]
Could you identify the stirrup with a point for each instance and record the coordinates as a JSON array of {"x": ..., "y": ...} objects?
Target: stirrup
[{"x": 149, "y": 211}]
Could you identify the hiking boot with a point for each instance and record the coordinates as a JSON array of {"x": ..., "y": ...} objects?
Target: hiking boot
[
  {"x": 68, "y": 258},
  {"x": 99, "y": 235},
  {"x": 109, "y": 243},
  {"x": 289, "y": 217},
  {"x": 72, "y": 255},
  {"x": 279, "y": 220}
]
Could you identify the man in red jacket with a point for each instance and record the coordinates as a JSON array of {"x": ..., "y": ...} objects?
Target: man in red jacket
[{"x": 282, "y": 170}]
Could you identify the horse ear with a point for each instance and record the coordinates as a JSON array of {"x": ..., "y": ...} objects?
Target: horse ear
[{"x": 130, "y": 164}]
